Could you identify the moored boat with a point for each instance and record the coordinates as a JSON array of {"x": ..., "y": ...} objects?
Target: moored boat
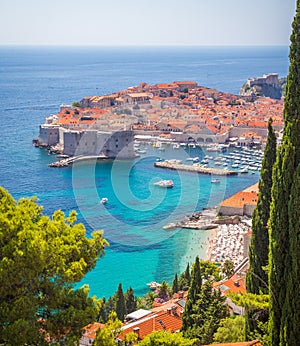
[{"x": 153, "y": 285}]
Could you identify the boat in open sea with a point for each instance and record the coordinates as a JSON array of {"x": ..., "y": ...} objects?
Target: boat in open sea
[
  {"x": 215, "y": 181},
  {"x": 165, "y": 183},
  {"x": 104, "y": 200}
]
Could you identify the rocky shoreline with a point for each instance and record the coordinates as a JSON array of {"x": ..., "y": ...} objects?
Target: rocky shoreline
[{"x": 207, "y": 219}]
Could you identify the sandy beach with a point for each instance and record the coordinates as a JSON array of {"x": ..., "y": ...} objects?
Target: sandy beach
[{"x": 228, "y": 243}]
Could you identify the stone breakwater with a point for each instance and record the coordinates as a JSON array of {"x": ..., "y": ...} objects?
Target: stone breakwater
[
  {"x": 197, "y": 169},
  {"x": 71, "y": 160},
  {"x": 199, "y": 220}
]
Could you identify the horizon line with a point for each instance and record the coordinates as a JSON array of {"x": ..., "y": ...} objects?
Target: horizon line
[{"x": 144, "y": 46}]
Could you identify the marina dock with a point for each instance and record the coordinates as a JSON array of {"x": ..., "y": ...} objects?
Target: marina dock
[{"x": 197, "y": 169}]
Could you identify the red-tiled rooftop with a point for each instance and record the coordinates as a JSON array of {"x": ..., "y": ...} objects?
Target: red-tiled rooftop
[
  {"x": 240, "y": 199},
  {"x": 235, "y": 284}
]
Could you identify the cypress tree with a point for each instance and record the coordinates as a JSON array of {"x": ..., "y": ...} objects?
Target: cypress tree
[
  {"x": 175, "y": 284},
  {"x": 187, "y": 274},
  {"x": 291, "y": 316},
  {"x": 130, "y": 301},
  {"x": 120, "y": 303},
  {"x": 208, "y": 311},
  {"x": 185, "y": 279},
  {"x": 257, "y": 276},
  {"x": 284, "y": 225},
  {"x": 193, "y": 293}
]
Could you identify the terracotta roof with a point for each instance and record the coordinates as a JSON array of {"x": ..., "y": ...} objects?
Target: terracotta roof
[
  {"x": 186, "y": 82},
  {"x": 91, "y": 329},
  {"x": 162, "y": 320},
  {"x": 165, "y": 86},
  {"x": 240, "y": 199},
  {"x": 235, "y": 284}
]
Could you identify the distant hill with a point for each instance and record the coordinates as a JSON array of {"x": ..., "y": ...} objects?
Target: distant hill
[{"x": 269, "y": 85}]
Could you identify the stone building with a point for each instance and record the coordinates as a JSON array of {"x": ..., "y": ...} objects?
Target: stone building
[
  {"x": 113, "y": 144},
  {"x": 242, "y": 203}
]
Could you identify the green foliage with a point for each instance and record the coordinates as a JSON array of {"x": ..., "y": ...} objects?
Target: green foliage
[
  {"x": 106, "y": 336},
  {"x": 250, "y": 300},
  {"x": 279, "y": 237},
  {"x": 163, "y": 338},
  {"x": 204, "y": 308},
  {"x": 257, "y": 277},
  {"x": 130, "y": 339},
  {"x": 206, "y": 314},
  {"x": 210, "y": 271},
  {"x": 163, "y": 291},
  {"x": 175, "y": 286},
  {"x": 261, "y": 333},
  {"x": 232, "y": 329},
  {"x": 147, "y": 300},
  {"x": 107, "y": 307},
  {"x": 76, "y": 104},
  {"x": 284, "y": 261},
  {"x": 194, "y": 291},
  {"x": 257, "y": 314},
  {"x": 185, "y": 279},
  {"x": 120, "y": 303},
  {"x": 228, "y": 268},
  {"x": 130, "y": 301},
  {"x": 40, "y": 260},
  {"x": 290, "y": 315}
]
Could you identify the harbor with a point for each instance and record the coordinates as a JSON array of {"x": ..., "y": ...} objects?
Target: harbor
[{"x": 197, "y": 168}]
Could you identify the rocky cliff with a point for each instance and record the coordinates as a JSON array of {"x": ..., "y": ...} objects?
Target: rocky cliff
[{"x": 260, "y": 88}]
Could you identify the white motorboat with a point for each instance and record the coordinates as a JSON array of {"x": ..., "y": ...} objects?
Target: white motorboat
[
  {"x": 215, "y": 181},
  {"x": 165, "y": 183},
  {"x": 104, "y": 200}
]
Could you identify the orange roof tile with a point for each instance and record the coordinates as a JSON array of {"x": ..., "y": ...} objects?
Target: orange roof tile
[
  {"x": 91, "y": 329},
  {"x": 158, "y": 321},
  {"x": 235, "y": 284},
  {"x": 240, "y": 199}
]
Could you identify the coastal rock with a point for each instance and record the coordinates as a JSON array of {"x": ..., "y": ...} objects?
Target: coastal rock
[{"x": 267, "y": 86}]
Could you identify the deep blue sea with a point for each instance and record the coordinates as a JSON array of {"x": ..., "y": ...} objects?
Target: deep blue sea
[{"x": 34, "y": 81}]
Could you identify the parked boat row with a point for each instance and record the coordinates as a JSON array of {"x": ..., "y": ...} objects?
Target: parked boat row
[{"x": 195, "y": 168}]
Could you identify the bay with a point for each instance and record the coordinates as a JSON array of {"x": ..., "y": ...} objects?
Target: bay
[{"x": 34, "y": 81}]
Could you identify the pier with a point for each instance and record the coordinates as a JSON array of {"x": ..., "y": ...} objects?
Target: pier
[
  {"x": 70, "y": 160},
  {"x": 197, "y": 169}
]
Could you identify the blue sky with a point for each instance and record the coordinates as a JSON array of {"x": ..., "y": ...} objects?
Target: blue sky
[{"x": 146, "y": 22}]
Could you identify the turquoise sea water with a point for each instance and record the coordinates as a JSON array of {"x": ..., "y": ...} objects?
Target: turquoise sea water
[{"x": 35, "y": 81}]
